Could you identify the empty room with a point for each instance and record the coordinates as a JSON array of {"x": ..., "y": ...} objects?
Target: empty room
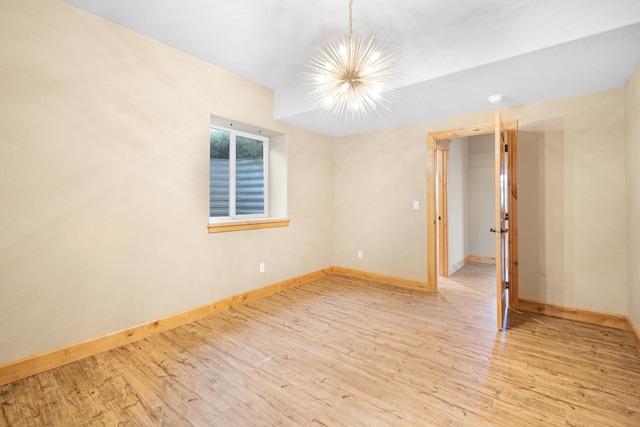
[{"x": 266, "y": 213}]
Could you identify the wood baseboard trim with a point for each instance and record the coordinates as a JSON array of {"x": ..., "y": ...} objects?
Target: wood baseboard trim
[
  {"x": 380, "y": 278},
  {"x": 479, "y": 259},
  {"x": 617, "y": 321},
  {"x": 35, "y": 364},
  {"x": 635, "y": 335}
]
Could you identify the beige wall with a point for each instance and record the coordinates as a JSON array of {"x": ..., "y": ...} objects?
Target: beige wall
[
  {"x": 572, "y": 199},
  {"x": 481, "y": 207},
  {"x": 104, "y": 182},
  {"x": 377, "y": 177},
  {"x": 632, "y": 109}
]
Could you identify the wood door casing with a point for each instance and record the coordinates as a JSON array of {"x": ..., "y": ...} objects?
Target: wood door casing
[
  {"x": 442, "y": 211},
  {"x": 432, "y": 139},
  {"x": 513, "y": 215}
]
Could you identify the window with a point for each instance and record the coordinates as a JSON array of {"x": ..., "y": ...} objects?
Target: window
[
  {"x": 247, "y": 176},
  {"x": 238, "y": 175}
]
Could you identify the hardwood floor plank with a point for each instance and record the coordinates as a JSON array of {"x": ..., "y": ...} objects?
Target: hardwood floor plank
[{"x": 343, "y": 351}]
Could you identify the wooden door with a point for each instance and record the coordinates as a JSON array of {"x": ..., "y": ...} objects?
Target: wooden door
[{"x": 502, "y": 198}]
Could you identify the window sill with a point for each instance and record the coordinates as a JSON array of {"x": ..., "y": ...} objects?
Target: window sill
[{"x": 222, "y": 227}]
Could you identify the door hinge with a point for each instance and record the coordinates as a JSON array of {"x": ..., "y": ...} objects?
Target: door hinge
[
  {"x": 506, "y": 148},
  {"x": 507, "y": 287},
  {"x": 506, "y": 216}
]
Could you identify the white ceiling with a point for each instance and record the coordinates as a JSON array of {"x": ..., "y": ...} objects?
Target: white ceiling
[{"x": 451, "y": 54}]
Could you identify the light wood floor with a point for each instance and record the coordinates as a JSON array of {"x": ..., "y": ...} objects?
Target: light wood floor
[{"x": 346, "y": 352}]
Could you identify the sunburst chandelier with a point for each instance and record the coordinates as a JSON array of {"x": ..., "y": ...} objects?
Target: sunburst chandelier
[{"x": 353, "y": 76}]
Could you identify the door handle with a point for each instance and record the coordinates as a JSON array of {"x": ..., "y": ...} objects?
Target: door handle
[{"x": 501, "y": 231}]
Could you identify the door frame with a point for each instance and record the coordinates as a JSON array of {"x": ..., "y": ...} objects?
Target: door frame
[
  {"x": 442, "y": 161},
  {"x": 432, "y": 139}
]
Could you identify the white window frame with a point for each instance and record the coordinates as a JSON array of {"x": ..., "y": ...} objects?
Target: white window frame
[{"x": 233, "y": 133}]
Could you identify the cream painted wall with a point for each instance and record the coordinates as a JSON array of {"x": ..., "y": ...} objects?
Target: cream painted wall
[
  {"x": 481, "y": 206},
  {"x": 572, "y": 208},
  {"x": 104, "y": 182},
  {"x": 632, "y": 110},
  {"x": 458, "y": 195},
  {"x": 377, "y": 177}
]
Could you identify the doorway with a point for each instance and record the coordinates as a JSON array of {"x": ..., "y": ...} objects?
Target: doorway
[
  {"x": 505, "y": 136},
  {"x": 465, "y": 202}
]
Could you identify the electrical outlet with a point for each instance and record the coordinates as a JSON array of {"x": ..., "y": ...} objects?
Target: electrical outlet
[
  {"x": 359, "y": 254},
  {"x": 262, "y": 267}
]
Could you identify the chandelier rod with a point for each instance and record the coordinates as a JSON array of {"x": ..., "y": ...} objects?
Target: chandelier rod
[{"x": 350, "y": 22}]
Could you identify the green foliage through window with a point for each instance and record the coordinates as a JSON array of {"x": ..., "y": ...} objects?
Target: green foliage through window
[
  {"x": 219, "y": 144},
  {"x": 246, "y": 148}
]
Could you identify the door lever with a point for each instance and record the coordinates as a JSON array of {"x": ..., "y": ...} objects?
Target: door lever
[{"x": 501, "y": 231}]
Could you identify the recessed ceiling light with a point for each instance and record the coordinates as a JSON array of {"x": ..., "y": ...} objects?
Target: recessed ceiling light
[{"x": 494, "y": 99}]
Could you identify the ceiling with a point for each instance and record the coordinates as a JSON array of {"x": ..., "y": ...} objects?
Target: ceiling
[{"x": 451, "y": 55}]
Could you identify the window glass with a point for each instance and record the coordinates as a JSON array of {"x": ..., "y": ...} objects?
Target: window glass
[
  {"x": 237, "y": 174},
  {"x": 249, "y": 176},
  {"x": 219, "y": 173}
]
